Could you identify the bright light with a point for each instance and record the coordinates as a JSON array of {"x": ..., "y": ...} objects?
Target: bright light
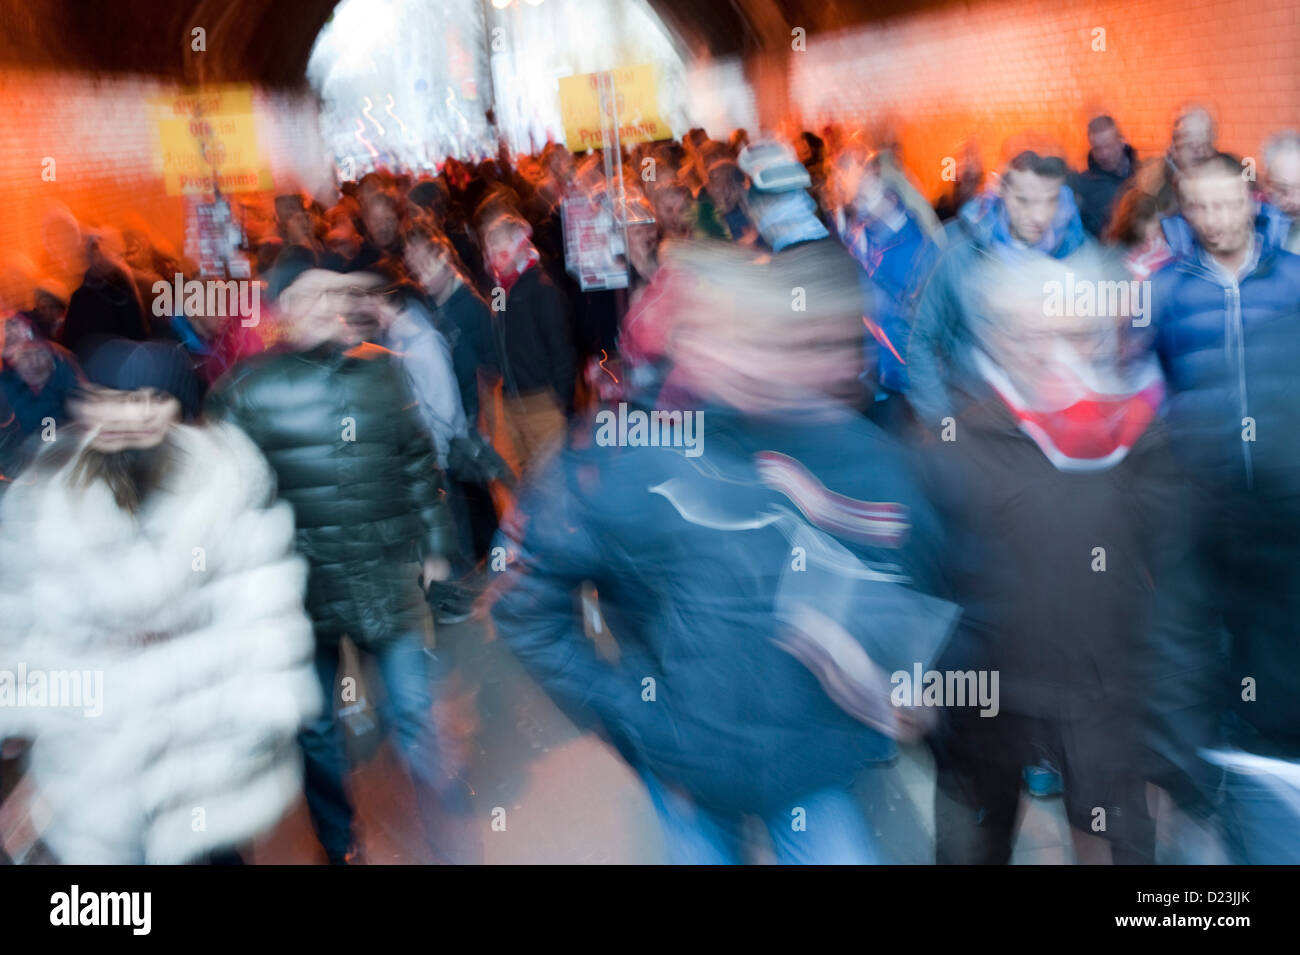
[{"x": 419, "y": 74}]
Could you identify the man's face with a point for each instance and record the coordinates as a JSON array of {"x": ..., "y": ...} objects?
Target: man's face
[
  {"x": 724, "y": 188},
  {"x": 381, "y": 221},
  {"x": 1284, "y": 183},
  {"x": 1038, "y": 349},
  {"x": 1193, "y": 140},
  {"x": 1031, "y": 202},
  {"x": 1108, "y": 148},
  {"x": 419, "y": 215},
  {"x": 531, "y": 170},
  {"x": 344, "y": 242},
  {"x": 1220, "y": 210},
  {"x": 126, "y": 420},
  {"x": 298, "y": 228},
  {"x": 501, "y": 246},
  {"x": 318, "y": 318},
  {"x": 366, "y": 317},
  {"x": 429, "y": 266},
  {"x": 672, "y": 211},
  {"x": 27, "y": 356},
  {"x": 562, "y": 166},
  {"x": 51, "y": 312},
  {"x": 643, "y": 245}
]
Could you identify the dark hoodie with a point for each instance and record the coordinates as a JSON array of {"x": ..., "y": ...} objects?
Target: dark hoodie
[
  {"x": 1096, "y": 189},
  {"x": 104, "y": 305}
]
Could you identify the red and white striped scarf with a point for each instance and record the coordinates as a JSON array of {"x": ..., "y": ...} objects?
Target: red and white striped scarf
[{"x": 1081, "y": 417}]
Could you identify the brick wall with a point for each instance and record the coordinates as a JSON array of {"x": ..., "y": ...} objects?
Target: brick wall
[
  {"x": 988, "y": 70},
  {"x": 107, "y": 167},
  {"x": 993, "y": 69}
]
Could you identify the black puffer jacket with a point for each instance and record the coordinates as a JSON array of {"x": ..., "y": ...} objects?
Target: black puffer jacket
[{"x": 340, "y": 431}]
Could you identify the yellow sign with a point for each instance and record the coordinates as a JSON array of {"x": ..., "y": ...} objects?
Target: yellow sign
[
  {"x": 637, "y": 108},
  {"x": 207, "y": 133}
]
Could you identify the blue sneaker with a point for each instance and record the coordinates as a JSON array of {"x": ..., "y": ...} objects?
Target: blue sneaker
[{"x": 1043, "y": 781}]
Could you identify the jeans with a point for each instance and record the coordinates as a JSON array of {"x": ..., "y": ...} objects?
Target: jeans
[
  {"x": 404, "y": 671},
  {"x": 831, "y": 830}
]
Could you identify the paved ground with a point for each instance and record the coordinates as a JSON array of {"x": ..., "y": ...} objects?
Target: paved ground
[{"x": 568, "y": 798}]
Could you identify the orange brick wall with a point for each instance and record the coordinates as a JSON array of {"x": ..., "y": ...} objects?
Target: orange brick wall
[
  {"x": 984, "y": 69},
  {"x": 102, "y": 138},
  {"x": 992, "y": 69}
]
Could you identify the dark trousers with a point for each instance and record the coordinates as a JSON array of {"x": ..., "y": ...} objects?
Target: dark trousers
[
  {"x": 476, "y": 523},
  {"x": 979, "y": 762}
]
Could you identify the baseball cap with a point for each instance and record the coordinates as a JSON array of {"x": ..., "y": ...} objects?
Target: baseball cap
[{"x": 772, "y": 166}]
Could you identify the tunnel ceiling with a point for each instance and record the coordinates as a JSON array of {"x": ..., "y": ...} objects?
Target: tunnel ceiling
[{"x": 269, "y": 41}]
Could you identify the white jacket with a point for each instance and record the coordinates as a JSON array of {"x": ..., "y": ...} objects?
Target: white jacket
[{"x": 192, "y": 613}]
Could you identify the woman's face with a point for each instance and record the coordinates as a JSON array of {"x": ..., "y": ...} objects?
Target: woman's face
[{"x": 126, "y": 420}]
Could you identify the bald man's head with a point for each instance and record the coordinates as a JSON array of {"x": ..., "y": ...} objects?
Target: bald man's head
[
  {"x": 1193, "y": 137},
  {"x": 1282, "y": 168}
]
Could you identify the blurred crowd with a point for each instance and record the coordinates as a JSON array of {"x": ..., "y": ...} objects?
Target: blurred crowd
[{"x": 1010, "y": 477}]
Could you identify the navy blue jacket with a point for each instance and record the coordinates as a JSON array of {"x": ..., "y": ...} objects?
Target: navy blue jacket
[
  {"x": 688, "y": 562},
  {"x": 1230, "y": 353},
  {"x": 1204, "y": 326}
]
